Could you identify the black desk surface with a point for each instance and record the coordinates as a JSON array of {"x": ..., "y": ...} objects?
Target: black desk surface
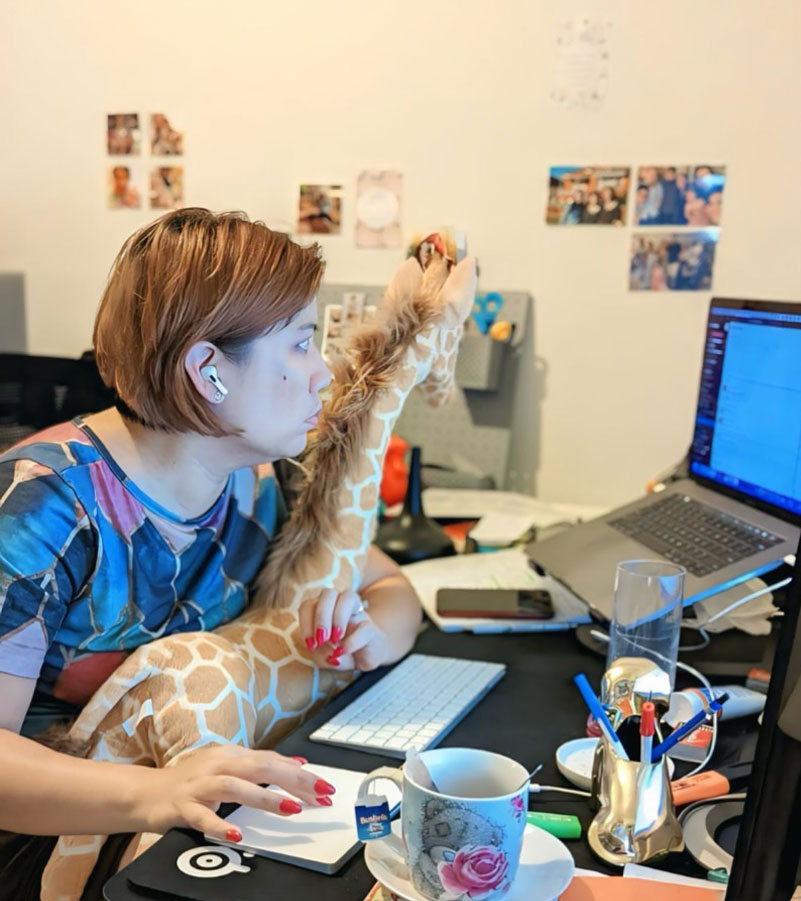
[{"x": 532, "y": 710}]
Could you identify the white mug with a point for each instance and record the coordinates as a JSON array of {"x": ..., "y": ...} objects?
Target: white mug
[{"x": 462, "y": 838}]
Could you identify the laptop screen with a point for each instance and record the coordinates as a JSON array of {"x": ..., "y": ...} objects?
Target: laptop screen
[{"x": 748, "y": 423}]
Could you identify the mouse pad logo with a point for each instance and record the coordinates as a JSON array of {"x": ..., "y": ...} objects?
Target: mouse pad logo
[{"x": 210, "y": 861}]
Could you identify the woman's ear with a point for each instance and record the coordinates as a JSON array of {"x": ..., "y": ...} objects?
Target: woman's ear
[{"x": 200, "y": 363}]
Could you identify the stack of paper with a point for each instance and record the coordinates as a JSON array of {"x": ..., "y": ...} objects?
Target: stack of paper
[
  {"x": 504, "y": 516},
  {"x": 503, "y": 569}
]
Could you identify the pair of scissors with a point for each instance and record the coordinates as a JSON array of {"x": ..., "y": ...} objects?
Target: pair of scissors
[{"x": 485, "y": 310}]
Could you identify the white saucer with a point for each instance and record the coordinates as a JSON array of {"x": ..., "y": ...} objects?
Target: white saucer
[{"x": 546, "y": 868}]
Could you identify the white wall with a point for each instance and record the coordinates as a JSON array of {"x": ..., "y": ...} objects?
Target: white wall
[{"x": 455, "y": 95}]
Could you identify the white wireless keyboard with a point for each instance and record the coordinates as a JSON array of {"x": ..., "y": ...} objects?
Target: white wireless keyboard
[{"x": 413, "y": 707}]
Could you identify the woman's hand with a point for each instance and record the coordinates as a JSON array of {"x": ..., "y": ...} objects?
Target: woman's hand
[
  {"x": 190, "y": 792},
  {"x": 339, "y": 632}
]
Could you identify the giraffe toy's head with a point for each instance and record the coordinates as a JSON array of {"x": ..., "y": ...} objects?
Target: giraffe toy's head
[{"x": 450, "y": 290}]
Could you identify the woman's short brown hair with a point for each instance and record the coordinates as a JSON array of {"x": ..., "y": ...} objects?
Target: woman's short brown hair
[{"x": 193, "y": 275}]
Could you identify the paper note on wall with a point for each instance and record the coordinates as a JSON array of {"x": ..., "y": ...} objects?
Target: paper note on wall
[{"x": 582, "y": 63}]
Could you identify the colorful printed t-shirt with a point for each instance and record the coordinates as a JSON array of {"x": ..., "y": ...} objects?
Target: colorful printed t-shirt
[{"x": 91, "y": 567}]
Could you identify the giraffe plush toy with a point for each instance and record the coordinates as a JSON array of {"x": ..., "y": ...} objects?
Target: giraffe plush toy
[{"x": 251, "y": 681}]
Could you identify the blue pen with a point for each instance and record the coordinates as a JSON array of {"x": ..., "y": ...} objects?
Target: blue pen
[
  {"x": 690, "y": 726},
  {"x": 599, "y": 713}
]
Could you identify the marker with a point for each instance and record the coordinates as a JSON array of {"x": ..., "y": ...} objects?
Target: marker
[
  {"x": 678, "y": 734},
  {"x": 647, "y": 731},
  {"x": 711, "y": 783},
  {"x": 600, "y": 715},
  {"x": 562, "y": 825}
]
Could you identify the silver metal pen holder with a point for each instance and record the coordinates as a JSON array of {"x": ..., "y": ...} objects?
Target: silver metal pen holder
[{"x": 636, "y": 819}]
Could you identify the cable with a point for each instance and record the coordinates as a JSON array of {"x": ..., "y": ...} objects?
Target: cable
[
  {"x": 557, "y": 788},
  {"x": 705, "y": 639},
  {"x": 748, "y": 597}
]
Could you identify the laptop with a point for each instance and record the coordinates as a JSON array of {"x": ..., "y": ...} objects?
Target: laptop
[{"x": 737, "y": 514}]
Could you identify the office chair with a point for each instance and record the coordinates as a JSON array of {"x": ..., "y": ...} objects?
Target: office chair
[{"x": 37, "y": 392}]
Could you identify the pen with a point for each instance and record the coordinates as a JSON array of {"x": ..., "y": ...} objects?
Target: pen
[
  {"x": 647, "y": 731},
  {"x": 678, "y": 734},
  {"x": 600, "y": 715}
]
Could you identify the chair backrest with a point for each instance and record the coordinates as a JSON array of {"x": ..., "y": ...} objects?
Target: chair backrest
[{"x": 37, "y": 392}]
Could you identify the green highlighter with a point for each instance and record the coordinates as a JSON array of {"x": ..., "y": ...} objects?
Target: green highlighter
[{"x": 562, "y": 825}]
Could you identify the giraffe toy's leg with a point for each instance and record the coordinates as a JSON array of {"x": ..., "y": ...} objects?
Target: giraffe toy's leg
[
  {"x": 70, "y": 866},
  {"x": 166, "y": 711}
]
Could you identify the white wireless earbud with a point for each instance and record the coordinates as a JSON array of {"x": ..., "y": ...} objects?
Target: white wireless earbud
[{"x": 210, "y": 374}]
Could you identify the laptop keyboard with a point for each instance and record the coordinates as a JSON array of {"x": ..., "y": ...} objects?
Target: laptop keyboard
[{"x": 694, "y": 535}]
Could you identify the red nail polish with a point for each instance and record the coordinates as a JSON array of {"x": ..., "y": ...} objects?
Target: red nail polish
[
  {"x": 287, "y": 806},
  {"x": 301, "y": 760},
  {"x": 334, "y": 661},
  {"x": 321, "y": 637},
  {"x": 338, "y": 652},
  {"x": 311, "y": 644},
  {"x": 336, "y": 634},
  {"x": 321, "y": 787},
  {"x": 324, "y": 801},
  {"x": 233, "y": 835}
]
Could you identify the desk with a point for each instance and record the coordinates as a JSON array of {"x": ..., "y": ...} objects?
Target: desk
[{"x": 527, "y": 714}]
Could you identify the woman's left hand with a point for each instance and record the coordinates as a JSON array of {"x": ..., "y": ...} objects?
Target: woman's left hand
[{"x": 339, "y": 633}]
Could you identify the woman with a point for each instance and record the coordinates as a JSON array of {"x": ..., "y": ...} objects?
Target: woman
[
  {"x": 155, "y": 517},
  {"x": 592, "y": 211},
  {"x": 611, "y": 212}
]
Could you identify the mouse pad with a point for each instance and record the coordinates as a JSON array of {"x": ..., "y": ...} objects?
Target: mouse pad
[{"x": 183, "y": 865}]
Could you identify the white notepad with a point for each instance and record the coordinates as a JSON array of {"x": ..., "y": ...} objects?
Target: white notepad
[{"x": 319, "y": 838}]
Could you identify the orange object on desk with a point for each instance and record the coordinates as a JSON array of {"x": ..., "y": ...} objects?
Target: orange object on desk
[
  {"x": 395, "y": 474},
  {"x": 616, "y": 888}
]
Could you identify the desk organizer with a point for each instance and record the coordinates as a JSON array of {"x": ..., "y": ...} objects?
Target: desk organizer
[
  {"x": 636, "y": 819},
  {"x": 480, "y": 363}
]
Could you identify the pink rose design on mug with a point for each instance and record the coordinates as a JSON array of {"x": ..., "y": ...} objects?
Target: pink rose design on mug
[
  {"x": 517, "y": 804},
  {"x": 475, "y": 872}
]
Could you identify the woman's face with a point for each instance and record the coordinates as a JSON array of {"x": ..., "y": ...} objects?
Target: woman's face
[{"x": 273, "y": 394}]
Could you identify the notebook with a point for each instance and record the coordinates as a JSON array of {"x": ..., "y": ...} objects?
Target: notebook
[{"x": 320, "y": 838}]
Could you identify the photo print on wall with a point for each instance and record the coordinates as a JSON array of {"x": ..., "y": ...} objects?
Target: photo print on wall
[
  {"x": 122, "y": 192},
  {"x": 166, "y": 187},
  {"x": 672, "y": 261},
  {"x": 165, "y": 140},
  {"x": 319, "y": 209},
  {"x": 123, "y": 135},
  {"x": 587, "y": 195},
  {"x": 679, "y": 195}
]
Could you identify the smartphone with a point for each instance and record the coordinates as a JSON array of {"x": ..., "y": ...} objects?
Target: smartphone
[{"x": 496, "y": 603}]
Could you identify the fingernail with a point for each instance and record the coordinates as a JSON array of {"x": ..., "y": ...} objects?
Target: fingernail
[
  {"x": 321, "y": 637},
  {"x": 233, "y": 835},
  {"x": 287, "y": 806},
  {"x": 321, "y": 787},
  {"x": 336, "y": 634},
  {"x": 338, "y": 652},
  {"x": 301, "y": 760},
  {"x": 325, "y": 801},
  {"x": 334, "y": 661},
  {"x": 311, "y": 644}
]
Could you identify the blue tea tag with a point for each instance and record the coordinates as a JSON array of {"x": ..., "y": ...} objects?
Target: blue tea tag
[{"x": 372, "y": 817}]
